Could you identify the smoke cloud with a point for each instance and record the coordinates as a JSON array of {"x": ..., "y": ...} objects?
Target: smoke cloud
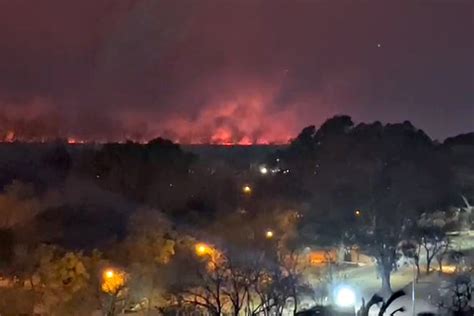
[{"x": 229, "y": 71}]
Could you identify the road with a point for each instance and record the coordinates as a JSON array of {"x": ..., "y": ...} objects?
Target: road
[
  {"x": 365, "y": 279},
  {"x": 366, "y": 282}
]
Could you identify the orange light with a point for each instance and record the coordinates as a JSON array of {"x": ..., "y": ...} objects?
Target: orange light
[
  {"x": 10, "y": 137},
  {"x": 109, "y": 274},
  {"x": 74, "y": 141},
  {"x": 269, "y": 234},
  {"x": 113, "y": 281},
  {"x": 202, "y": 249},
  {"x": 247, "y": 189},
  {"x": 449, "y": 269}
]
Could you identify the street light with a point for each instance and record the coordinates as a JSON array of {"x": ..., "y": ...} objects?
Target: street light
[
  {"x": 345, "y": 296},
  {"x": 113, "y": 280},
  {"x": 357, "y": 212},
  {"x": 413, "y": 298},
  {"x": 109, "y": 274},
  {"x": 263, "y": 170},
  {"x": 269, "y": 234},
  {"x": 211, "y": 255},
  {"x": 202, "y": 249},
  {"x": 246, "y": 189}
]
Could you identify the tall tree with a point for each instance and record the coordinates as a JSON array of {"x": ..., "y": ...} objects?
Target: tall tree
[{"x": 390, "y": 173}]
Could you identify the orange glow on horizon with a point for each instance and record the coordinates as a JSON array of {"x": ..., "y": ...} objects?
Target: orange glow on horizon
[
  {"x": 77, "y": 142},
  {"x": 244, "y": 118},
  {"x": 73, "y": 141},
  {"x": 246, "y": 113},
  {"x": 221, "y": 137}
]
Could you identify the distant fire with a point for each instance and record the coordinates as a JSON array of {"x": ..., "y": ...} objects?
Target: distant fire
[
  {"x": 225, "y": 137},
  {"x": 73, "y": 141},
  {"x": 245, "y": 118},
  {"x": 10, "y": 136},
  {"x": 221, "y": 136}
]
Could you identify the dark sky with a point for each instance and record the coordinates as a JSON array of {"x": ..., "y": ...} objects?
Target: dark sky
[{"x": 240, "y": 71}]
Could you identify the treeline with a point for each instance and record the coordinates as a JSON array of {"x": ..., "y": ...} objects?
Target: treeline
[{"x": 369, "y": 185}]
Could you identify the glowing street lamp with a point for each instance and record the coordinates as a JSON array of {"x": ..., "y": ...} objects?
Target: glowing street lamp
[
  {"x": 269, "y": 234},
  {"x": 211, "y": 255},
  {"x": 357, "y": 213},
  {"x": 202, "y": 249},
  {"x": 109, "y": 274},
  {"x": 345, "y": 296},
  {"x": 246, "y": 189},
  {"x": 263, "y": 170},
  {"x": 113, "y": 281}
]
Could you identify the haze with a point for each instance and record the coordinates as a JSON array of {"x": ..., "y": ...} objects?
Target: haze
[{"x": 230, "y": 71}]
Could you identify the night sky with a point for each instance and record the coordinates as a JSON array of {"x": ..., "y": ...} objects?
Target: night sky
[{"x": 232, "y": 71}]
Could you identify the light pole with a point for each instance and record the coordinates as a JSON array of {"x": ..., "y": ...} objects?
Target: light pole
[
  {"x": 113, "y": 281},
  {"x": 413, "y": 288}
]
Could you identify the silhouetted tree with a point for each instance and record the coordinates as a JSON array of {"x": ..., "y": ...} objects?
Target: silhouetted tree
[{"x": 390, "y": 173}]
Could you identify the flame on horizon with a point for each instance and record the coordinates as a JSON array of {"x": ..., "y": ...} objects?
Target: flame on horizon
[{"x": 244, "y": 120}]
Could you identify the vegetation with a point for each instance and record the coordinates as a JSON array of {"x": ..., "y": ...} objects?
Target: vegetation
[{"x": 151, "y": 227}]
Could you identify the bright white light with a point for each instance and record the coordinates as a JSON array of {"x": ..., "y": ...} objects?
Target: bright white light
[
  {"x": 269, "y": 234},
  {"x": 263, "y": 170},
  {"x": 345, "y": 296}
]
